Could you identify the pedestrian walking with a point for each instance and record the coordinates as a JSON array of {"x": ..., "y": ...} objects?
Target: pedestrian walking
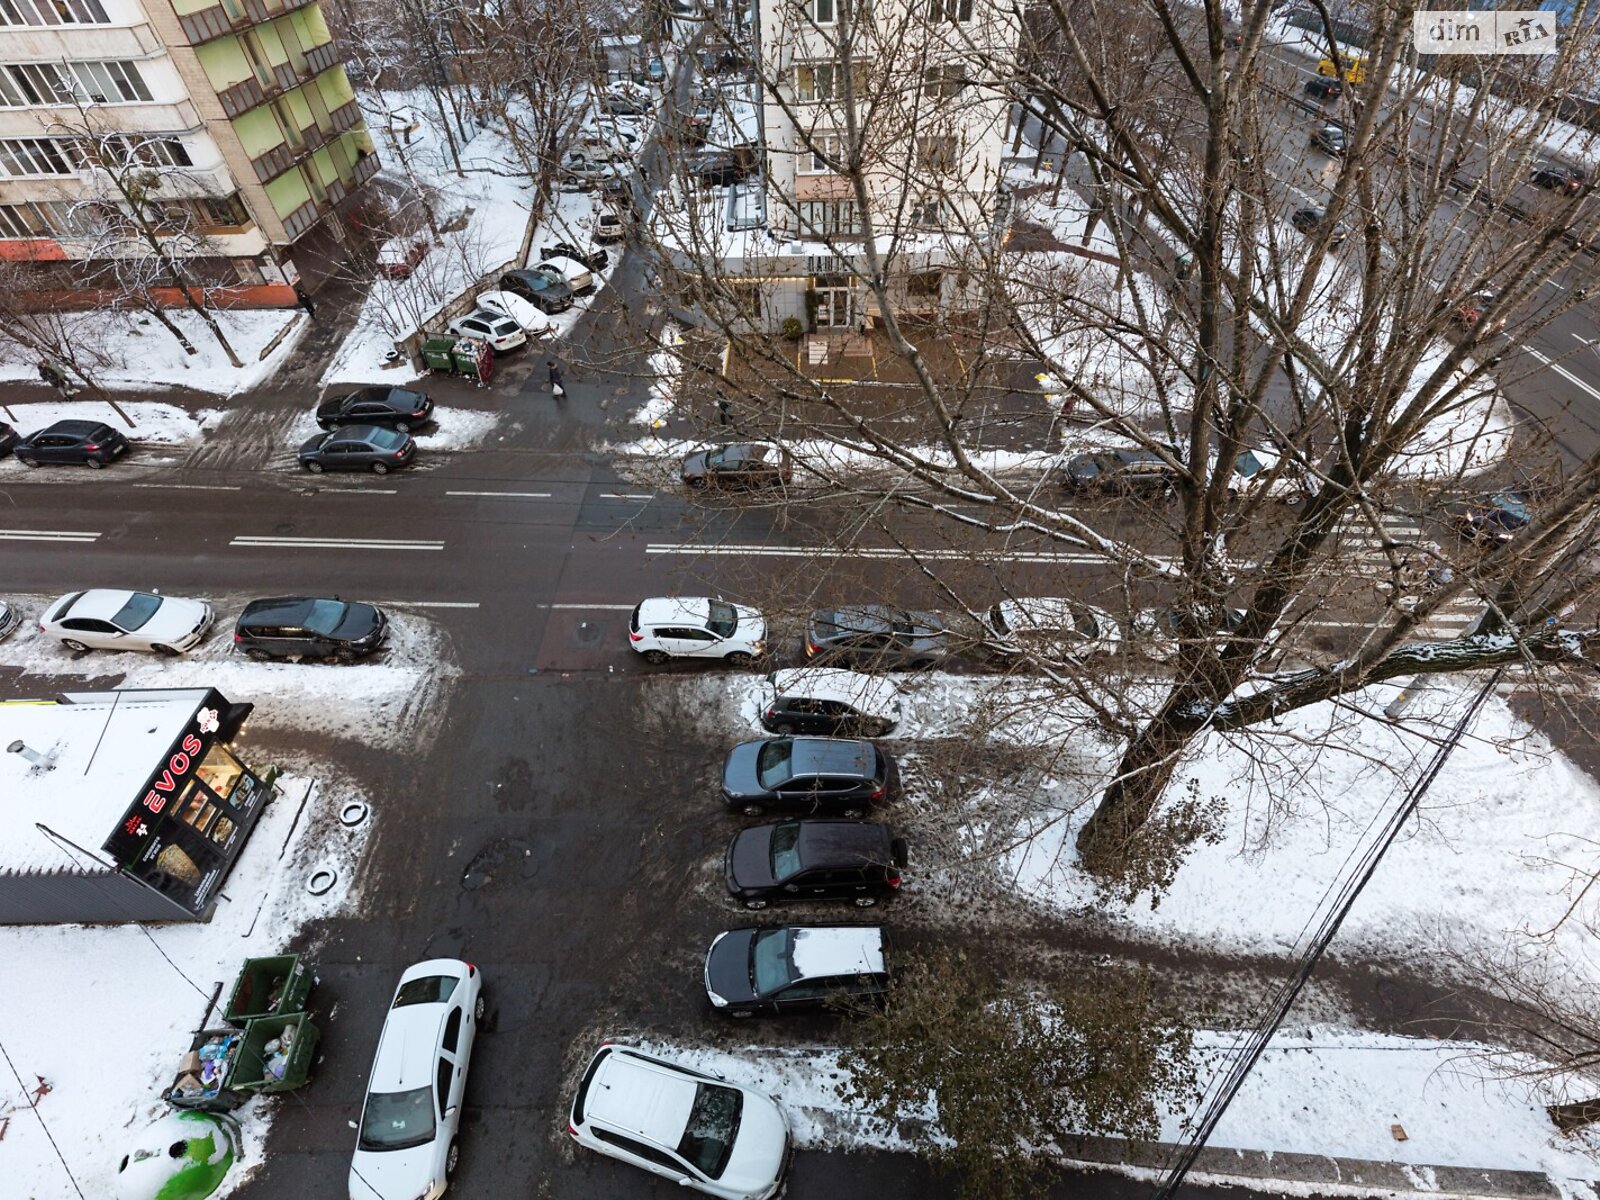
[
  {"x": 305, "y": 302},
  {"x": 56, "y": 378},
  {"x": 557, "y": 387},
  {"x": 723, "y": 409}
]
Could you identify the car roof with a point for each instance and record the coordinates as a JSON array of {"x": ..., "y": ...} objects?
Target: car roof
[
  {"x": 865, "y": 693},
  {"x": 78, "y": 428},
  {"x": 1040, "y": 612},
  {"x": 842, "y": 841},
  {"x": 563, "y": 262},
  {"x": 405, "y": 1058},
  {"x": 832, "y": 756},
  {"x": 665, "y": 610},
  {"x": 277, "y": 608},
  {"x": 823, "y": 950},
  {"x": 103, "y": 603},
  {"x": 648, "y": 1099},
  {"x": 860, "y": 618},
  {"x": 353, "y": 433}
]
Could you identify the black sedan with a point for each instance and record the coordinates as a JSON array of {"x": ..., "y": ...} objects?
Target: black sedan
[
  {"x": 1125, "y": 471},
  {"x": 740, "y": 465},
  {"x": 84, "y": 443},
  {"x": 309, "y": 627},
  {"x": 548, "y": 293},
  {"x": 1324, "y": 88},
  {"x": 796, "y": 969},
  {"x": 391, "y": 407},
  {"x": 358, "y": 448},
  {"x": 833, "y": 776},
  {"x": 595, "y": 258},
  {"x": 871, "y": 635},
  {"x": 860, "y": 861},
  {"x": 1497, "y": 517},
  {"x": 1310, "y": 221}
]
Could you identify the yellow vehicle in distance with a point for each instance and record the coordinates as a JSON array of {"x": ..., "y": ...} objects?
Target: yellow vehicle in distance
[{"x": 1355, "y": 68}]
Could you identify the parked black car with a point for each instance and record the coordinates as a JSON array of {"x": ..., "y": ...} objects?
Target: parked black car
[
  {"x": 1126, "y": 471},
  {"x": 595, "y": 258},
  {"x": 1496, "y": 517},
  {"x": 739, "y": 466},
  {"x": 842, "y": 776},
  {"x": 392, "y": 407},
  {"x": 1556, "y": 176},
  {"x": 546, "y": 292},
  {"x": 309, "y": 627},
  {"x": 9, "y": 437},
  {"x": 1323, "y": 88},
  {"x": 830, "y": 702},
  {"x": 358, "y": 448},
  {"x": 1330, "y": 139},
  {"x": 815, "y": 860},
  {"x": 717, "y": 168},
  {"x": 876, "y": 635},
  {"x": 797, "y": 968},
  {"x": 1309, "y": 220},
  {"x": 88, "y": 443}
]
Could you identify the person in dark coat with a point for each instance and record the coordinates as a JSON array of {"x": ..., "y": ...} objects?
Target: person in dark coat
[{"x": 557, "y": 388}]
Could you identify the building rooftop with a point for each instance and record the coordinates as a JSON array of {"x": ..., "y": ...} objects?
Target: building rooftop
[{"x": 105, "y": 745}]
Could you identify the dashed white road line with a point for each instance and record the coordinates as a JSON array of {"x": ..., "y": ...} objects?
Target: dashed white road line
[
  {"x": 590, "y": 607},
  {"x": 627, "y": 495},
  {"x": 1563, "y": 372},
  {"x": 430, "y": 603},
  {"x": 47, "y": 535},
  {"x": 338, "y": 490},
  {"x": 194, "y": 487},
  {"x": 1019, "y": 556},
  {"x": 512, "y": 495},
  {"x": 336, "y": 543}
]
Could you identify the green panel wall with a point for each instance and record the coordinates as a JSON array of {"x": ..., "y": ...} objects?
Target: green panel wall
[
  {"x": 258, "y": 131},
  {"x": 224, "y": 62},
  {"x": 287, "y": 193}
]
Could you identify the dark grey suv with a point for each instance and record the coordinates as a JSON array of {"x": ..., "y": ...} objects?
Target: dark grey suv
[
  {"x": 859, "y": 861},
  {"x": 836, "y": 776},
  {"x": 876, "y": 635},
  {"x": 310, "y": 627}
]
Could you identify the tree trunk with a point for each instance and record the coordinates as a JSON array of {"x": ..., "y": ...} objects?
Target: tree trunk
[
  {"x": 154, "y": 310},
  {"x": 1142, "y": 776}
]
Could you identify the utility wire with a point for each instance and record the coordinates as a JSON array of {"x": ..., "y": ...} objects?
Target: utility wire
[
  {"x": 34, "y": 1105},
  {"x": 1256, "y": 1045}
]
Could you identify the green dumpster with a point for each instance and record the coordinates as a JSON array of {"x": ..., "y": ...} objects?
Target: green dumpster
[
  {"x": 436, "y": 352},
  {"x": 275, "y": 1055},
  {"x": 201, "y": 1081},
  {"x": 269, "y": 987}
]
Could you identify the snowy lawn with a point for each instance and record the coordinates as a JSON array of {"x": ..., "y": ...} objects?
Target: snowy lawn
[
  {"x": 133, "y": 351},
  {"x": 450, "y": 428},
  {"x": 153, "y": 421}
]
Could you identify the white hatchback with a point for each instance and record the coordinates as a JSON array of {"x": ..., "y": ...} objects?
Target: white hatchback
[
  {"x": 114, "y": 619},
  {"x": 406, "y": 1148},
  {"x": 716, "y": 1137},
  {"x": 697, "y": 627},
  {"x": 499, "y": 331}
]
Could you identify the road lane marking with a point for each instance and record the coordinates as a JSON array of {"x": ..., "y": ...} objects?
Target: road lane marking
[
  {"x": 348, "y": 491},
  {"x": 430, "y": 603},
  {"x": 194, "y": 487},
  {"x": 1019, "y": 556},
  {"x": 525, "y": 495},
  {"x": 591, "y": 607},
  {"x": 627, "y": 495},
  {"x": 336, "y": 543},
  {"x": 47, "y": 535},
  {"x": 1563, "y": 372}
]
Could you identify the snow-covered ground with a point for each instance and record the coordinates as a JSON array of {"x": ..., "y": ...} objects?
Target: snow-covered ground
[
  {"x": 450, "y": 428},
  {"x": 1316, "y": 1091},
  {"x": 132, "y": 351},
  {"x": 64, "y": 984},
  {"x": 154, "y": 422}
]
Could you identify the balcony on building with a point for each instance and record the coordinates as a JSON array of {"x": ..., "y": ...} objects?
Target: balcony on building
[{"x": 203, "y": 21}]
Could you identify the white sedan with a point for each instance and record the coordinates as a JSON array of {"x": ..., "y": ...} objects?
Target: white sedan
[
  {"x": 114, "y": 619},
  {"x": 509, "y": 304},
  {"x": 499, "y": 331},
  {"x": 1051, "y": 627},
  {"x": 579, "y": 278},
  {"x": 410, "y": 1120}
]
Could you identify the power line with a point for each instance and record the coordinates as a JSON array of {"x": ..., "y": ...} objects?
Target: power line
[
  {"x": 1351, "y": 890},
  {"x": 34, "y": 1105}
]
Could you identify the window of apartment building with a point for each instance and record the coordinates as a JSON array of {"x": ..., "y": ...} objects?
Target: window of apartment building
[
  {"x": 824, "y": 218},
  {"x": 925, "y": 285},
  {"x": 22, "y": 221},
  {"x": 68, "y": 156},
  {"x": 36, "y": 156},
  {"x": 23, "y": 84},
  {"x": 52, "y": 12},
  {"x": 949, "y": 80},
  {"x": 927, "y": 211},
  {"x": 820, "y": 11},
  {"x": 950, "y": 10},
  {"x": 221, "y": 210},
  {"x": 941, "y": 153},
  {"x": 124, "y": 150},
  {"x": 819, "y": 156},
  {"x": 825, "y": 81}
]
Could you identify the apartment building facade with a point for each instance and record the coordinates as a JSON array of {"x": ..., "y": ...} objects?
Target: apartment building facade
[
  {"x": 232, "y": 124},
  {"x": 907, "y": 90}
]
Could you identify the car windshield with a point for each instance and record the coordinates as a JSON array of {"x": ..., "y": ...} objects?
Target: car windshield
[
  {"x": 724, "y": 618},
  {"x": 775, "y": 762},
  {"x": 997, "y": 618},
  {"x": 1083, "y": 621},
  {"x": 537, "y": 283},
  {"x": 716, "y": 457},
  {"x": 1247, "y": 464},
  {"x": 431, "y": 989},
  {"x": 397, "y": 1120},
  {"x": 139, "y": 609},
  {"x": 771, "y": 965},
  {"x": 325, "y": 616},
  {"x": 713, "y": 1125},
  {"x": 786, "y": 850}
]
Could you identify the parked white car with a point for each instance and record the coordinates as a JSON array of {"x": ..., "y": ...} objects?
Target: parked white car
[
  {"x": 407, "y": 1149},
  {"x": 498, "y": 330},
  {"x": 697, "y": 627},
  {"x": 115, "y": 619},
  {"x": 1050, "y": 627},
  {"x": 509, "y": 304},
  {"x": 10, "y": 617},
  {"x": 609, "y": 228},
  {"x": 719, "y": 1138},
  {"x": 579, "y": 278}
]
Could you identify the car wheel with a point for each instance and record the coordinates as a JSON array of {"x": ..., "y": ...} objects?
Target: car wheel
[
  {"x": 784, "y": 729},
  {"x": 166, "y": 651},
  {"x": 452, "y": 1158},
  {"x": 256, "y": 654},
  {"x": 74, "y": 644},
  {"x": 315, "y": 467},
  {"x": 755, "y": 905},
  {"x": 698, "y": 483},
  {"x": 479, "y": 1008},
  {"x": 866, "y": 901},
  {"x": 656, "y": 657},
  {"x": 344, "y": 657},
  {"x": 94, "y": 464},
  {"x": 402, "y": 426},
  {"x": 380, "y": 468},
  {"x": 739, "y": 659},
  {"x": 752, "y": 810},
  {"x": 855, "y": 814},
  {"x": 27, "y": 460}
]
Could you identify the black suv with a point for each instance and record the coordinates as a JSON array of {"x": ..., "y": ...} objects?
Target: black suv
[
  {"x": 797, "y": 969},
  {"x": 1557, "y": 177},
  {"x": 392, "y": 407},
  {"x": 876, "y": 635},
  {"x": 540, "y": 289},
  {"x": 1324, "y": 88},
  {"x": 88, "y": 443},
  {"x": 806, "y": 774},
  {"x": 1119, "y": 471},
  {"x": 815, "y": 860},
  {"x": 308, "y": 627}
]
